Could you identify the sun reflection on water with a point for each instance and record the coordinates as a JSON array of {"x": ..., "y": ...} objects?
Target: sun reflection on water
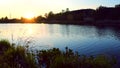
[
  {"x": 39, "y": 34},
  {"x": 34, "y": 30},
  {"x": 29, "y": 29}
]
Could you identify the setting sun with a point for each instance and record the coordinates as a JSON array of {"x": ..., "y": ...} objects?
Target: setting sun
[{"x": 29, "y": 15}]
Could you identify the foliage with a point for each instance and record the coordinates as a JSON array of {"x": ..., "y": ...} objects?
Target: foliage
[
  {"x": 20, "y": 57},
  {"x": 54, "y": 58},
  {"x": 15, "y": 57}
]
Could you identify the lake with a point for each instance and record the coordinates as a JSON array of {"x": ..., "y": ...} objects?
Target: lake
[{"x": 88, "y": 40}]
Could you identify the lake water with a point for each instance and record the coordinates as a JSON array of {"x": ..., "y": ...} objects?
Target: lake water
[{"x": 88, "y": 40}]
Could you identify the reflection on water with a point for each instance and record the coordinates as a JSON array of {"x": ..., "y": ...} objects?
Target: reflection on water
[{"x": 89, "y": 40}]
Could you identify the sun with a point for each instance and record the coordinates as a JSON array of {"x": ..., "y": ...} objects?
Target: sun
[{"x": 29, "y": 15}]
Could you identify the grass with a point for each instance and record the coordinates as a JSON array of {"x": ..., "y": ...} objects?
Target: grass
[{"x": 14, "y": 56}]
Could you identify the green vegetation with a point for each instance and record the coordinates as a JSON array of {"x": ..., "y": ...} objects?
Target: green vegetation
[{"x": 14, "y": 56}]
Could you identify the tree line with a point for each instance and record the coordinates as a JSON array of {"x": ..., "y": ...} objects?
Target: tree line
[{"x": 83, "y": 16}]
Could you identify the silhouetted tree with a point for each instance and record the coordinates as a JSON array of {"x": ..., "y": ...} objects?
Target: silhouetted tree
[
  {"x": 50, "y": 16},
  {"x": 40, "y": 19},
  {"x": 63, "y": 11},
  {"x": 67, "y": 10},
  {"x": 46, "y": 15},
  {"x": 117, "y": 6}
]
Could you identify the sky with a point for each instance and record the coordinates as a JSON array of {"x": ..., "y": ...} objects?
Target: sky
[{"x": 18, "y": 8}]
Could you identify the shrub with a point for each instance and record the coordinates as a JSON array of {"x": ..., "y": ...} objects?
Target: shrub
[{"x": 20, "y": 57}]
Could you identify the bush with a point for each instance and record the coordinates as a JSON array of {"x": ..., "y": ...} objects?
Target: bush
[
  {"x": 54, "y": 58},
  {"x": 20, "y": 57},
  {"x": 15, "y": 57}
]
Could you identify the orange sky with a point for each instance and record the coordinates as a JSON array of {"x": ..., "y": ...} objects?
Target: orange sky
[{"x": 18, "y": 8}]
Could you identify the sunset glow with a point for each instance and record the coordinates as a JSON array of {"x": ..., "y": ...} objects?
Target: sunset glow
[
  {"x": 18, "y": 7},
  {"x": 29, "y": 15}
]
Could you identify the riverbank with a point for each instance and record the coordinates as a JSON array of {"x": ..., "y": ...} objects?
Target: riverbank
[
  {"x": 87, "y": 23},
  {"x": 93, "y": 23},
  {"x": 14, "y": 56}
]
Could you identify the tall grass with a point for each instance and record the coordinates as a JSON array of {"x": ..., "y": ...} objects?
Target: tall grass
[
  {"x": 54, "y": 58},
  {"x": 20, "y": 57},
  {"x": 15, "y": 57}
]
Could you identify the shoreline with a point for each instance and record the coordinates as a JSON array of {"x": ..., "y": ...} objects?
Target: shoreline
[
  {"x": 88, "y": 23},
  {"x": 93, "y": 23}
]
